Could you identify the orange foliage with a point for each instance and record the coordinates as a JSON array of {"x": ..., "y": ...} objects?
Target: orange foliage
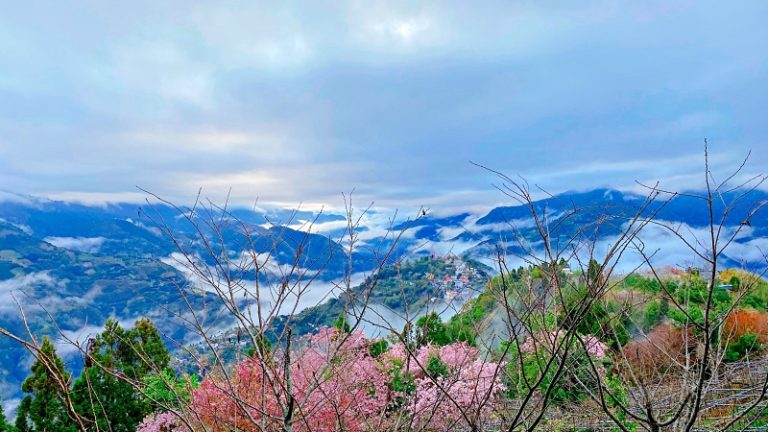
[
  {"x": 739, "y": 322},
  {"x": 663, "y": 348}
]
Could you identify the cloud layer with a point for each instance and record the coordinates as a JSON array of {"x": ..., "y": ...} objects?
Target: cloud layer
[
  {"x": 290, "y": 103},
  {"x": 82, "y": 244}
]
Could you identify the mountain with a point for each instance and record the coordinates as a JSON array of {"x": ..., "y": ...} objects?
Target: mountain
[
  {"x": 513, "y": 229},
  {"x": 72, "y": 266},
  {"x": 80, "y": 264}
]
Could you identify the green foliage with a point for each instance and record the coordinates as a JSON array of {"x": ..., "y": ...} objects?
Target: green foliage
[
  {"x": 748, "y": 343},
  {"x": 721, "y": 300},
  {"x": 735, "y": 282},
  {"x": 431, "y": 330},
  {"x": 756, "y": 296},
  {"x": 598, "y": 321},
  {"x": 537, "y": 273},
  {"x": 407, "y": 283},
  {"x": 693, "y": 291},
  {"x": 168, "y": 390},
  {"x": 754, "y": 302},
  {"x": 617, "y": 397},
  {"x": 263, "y": 344},
  {"x": 640, "y": 283},
  {"x": 341, "y": 323},
  {"x": 594, "y": 272},
  {"x": 110, "y": 403},
  {"x": 462, "y": 326},
  {"x": 652, "y": 315},
  {"x": 44, "y": 409},
  {"x": 402, "y": 383},
  {"x": 435, "y": 367},
  {"x": 378, "y": 347},
  {"x": 22, "y": 415},
  {"x": 753, "y": 287},
  {"x": 572, "y": 385},
  {"x": 680, "y": 318}
]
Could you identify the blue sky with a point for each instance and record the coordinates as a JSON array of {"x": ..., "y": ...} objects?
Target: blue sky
[{"x": 294, "y": 102}]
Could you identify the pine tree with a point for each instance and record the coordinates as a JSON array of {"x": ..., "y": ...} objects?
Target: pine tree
[
  {"x": 113, "y": 403},
  {"x": 44, "y": 408}
]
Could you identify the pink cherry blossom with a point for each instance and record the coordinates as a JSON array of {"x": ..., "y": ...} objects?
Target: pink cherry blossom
[
  {"x": 595, "y": 348},
  {"x": 337, "y": 385},
  {"x": 162, "y": 422}
]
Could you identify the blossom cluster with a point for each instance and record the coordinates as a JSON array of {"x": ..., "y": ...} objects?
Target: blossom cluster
[
  {"x": 465, "y": 392},
  {"x": 162, "y": 422}
]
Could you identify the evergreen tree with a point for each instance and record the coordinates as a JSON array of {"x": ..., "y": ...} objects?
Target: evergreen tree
[
  {"x": 430, "y": 329},
  {"x": 4, "y": 425},
  {"x": 22, "y": 415},
  {"x": 117, "y": 360},
  {"x": 44, "y": 408}
]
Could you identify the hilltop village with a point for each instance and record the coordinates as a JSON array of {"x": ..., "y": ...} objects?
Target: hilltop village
[{"x": 461, "y": 283}]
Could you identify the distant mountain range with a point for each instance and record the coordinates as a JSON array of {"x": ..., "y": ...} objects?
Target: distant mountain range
[{"x": 81, "y": 264}]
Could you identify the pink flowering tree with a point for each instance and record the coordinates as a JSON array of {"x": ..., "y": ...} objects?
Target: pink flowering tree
[
  {"x": 336, "y": 383},
  {"x": 453, "y": 387}
]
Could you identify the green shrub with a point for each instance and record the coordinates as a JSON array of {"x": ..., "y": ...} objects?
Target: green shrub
[
  {"x": 748, "y": 343},
  {"x": 652, "y": 315},
  {"x": 378, "y": 347},
  {"x": 166, "y": 389}
]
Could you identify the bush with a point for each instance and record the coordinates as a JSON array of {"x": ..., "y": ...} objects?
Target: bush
[
  {"x": 167, "y": 389},
  {"x": 652, "y": 315},
  {"x": 748, "y": 343},
  {"x": 574, "y": 384}
]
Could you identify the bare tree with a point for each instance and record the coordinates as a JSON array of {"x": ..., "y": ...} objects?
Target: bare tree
[{"x": 676, "y": 375}]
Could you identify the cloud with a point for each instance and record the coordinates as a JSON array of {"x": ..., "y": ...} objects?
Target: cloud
[
  {"x": 40, "y": 292},
  {"x": 293, "y": 104},
  {"x": 667, "y": 248},
  {"x": 380, "y": 321},
  {"x": 12, "y": 197},
  {"x": 753, "y": 251},
  {"x": 9, "y": 402},
  {"x": 12, "y": 290},
  {"x": 82, "y": 244},
  {"x": 304, "y": 290},
  {"x": 153, "y": 229},
  {"x": 101, "y": 199},
  {"x": 24, "y": 228},
  {"x": 71, "y": 343}
]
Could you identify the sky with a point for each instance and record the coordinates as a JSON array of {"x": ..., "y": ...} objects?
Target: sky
[{"x": 297, "y": 102}]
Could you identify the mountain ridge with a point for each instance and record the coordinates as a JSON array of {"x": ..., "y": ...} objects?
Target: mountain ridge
[{"x": 89, "y": 260}]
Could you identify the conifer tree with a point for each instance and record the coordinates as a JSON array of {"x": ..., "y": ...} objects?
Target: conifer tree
[
  {"x": 22, "y": 415},
  {"x": 116, "y": 362},
  {"x": 44, "y": 408},
  {"x": 430, "y": 329}
]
